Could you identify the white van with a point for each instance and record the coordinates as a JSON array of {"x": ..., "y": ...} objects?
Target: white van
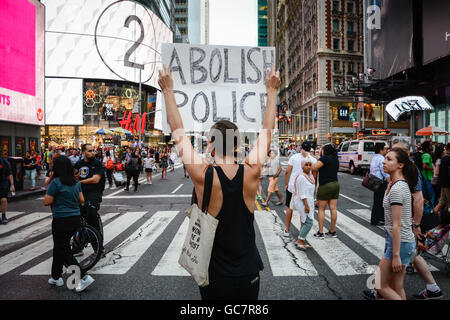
[{"x": 356, "y": 155}]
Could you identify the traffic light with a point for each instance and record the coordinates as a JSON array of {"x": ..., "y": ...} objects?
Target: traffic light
[{"x": 280, "y": 117}]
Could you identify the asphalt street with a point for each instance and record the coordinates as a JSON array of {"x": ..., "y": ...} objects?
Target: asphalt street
[{"x": 144, "y": 232}]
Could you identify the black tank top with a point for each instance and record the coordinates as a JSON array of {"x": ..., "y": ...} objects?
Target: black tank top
[{"x": 234, "y": 253}]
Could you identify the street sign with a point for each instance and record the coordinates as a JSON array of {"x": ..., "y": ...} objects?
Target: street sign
[{"x": 356, "y": 124}]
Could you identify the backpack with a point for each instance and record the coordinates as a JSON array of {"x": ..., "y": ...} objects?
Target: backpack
[
  {"x": 109, "y": 164},
  {"x": 428, "y": 194}
]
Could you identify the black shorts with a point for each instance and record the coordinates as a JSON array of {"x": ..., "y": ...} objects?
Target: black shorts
[
  {"x": 4, "y": 193},
  {"x": 148, "y": 170},
  {"x": 288, "y": 198}
]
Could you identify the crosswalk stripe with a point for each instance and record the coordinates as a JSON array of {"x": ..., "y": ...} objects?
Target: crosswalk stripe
[
  {"x": 22, "y": 221},
  {"x": 25, "y": 234},
  {"x": 125, "y": 255},
  {"x": 168, "y": 265},
  {"x": 284, "y": 258},
  {"x": 110, "y": 231},
  {"x": 23, "y": 255},
  {"x": 12, "y": 214},
  {"x": 340, "y": 258}
]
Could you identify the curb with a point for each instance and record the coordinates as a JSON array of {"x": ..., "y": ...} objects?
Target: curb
[{"x": 27, "y": 194}]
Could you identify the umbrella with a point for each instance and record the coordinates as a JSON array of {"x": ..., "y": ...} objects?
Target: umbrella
[
  {"x": 431, "y": 131},
  {"x": 102, "y": 131},
  {"x": 121, "y": 130}
]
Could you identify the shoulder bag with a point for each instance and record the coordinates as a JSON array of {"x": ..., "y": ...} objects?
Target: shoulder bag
[
  {"x": 372, "y": 182},
  {"x": 196, "y": 253}
]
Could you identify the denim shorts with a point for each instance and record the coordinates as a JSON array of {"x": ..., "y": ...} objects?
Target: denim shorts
[{"x": 406, "y": 249}]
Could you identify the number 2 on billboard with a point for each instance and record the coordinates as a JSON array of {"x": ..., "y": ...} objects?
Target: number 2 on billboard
[{"x": 126, "y": 60}]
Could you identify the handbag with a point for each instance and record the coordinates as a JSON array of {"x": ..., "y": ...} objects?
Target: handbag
[
  {"x": 196, "y": 253},
  {"x": 372, "y": 182}
]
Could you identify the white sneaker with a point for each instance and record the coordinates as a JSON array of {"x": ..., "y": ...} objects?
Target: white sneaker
[
  {"x": 150, "y": 182},
  {"x": 58, "y": 283},
  {"x": 286, "y": 233},
  {"x": 84, "y": 283}
]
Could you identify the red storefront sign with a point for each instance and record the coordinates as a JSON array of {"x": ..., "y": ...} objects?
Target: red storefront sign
[{"x": 126, "y": 122}]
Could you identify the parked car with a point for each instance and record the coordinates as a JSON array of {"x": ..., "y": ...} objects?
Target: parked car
[{"x": 356, "y": 155}]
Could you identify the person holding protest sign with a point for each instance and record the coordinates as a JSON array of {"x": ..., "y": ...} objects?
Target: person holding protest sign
[{"x": 235, "y": 261}]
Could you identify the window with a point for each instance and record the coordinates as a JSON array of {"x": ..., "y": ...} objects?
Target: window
[
  {"x": 369, "y": 146},
  {"x": 336, "y": 44},
  {"x": 350, "y": 67},
  {"x": 345, "y": 146},
  {"x": 354, "y": 146},
  {"x": 335, "y": 5},
  {"x": 350, "y": 7},
  {"x": 336, "y": 65},
  {"x": 335, "y": 25},
  {"x": 351, "y": 45},
  {"x": 350, "y": 26}
]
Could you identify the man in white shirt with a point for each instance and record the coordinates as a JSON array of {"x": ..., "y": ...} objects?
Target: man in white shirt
[{"x": 293, "y": 169}]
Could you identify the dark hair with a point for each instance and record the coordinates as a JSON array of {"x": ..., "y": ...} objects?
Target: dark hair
[
  {"x": 84, "y": 146},
  {"x": 438, "y": 152},
  {"x": 409, "y": 169},
  {"x": 426, "y": 147},
  {"x": 220, "y": 128},
  {"x": 379, "y": 147},
  {"x": 306, "y": 146},
  {"x": 63, "y": 169},
  {"x": 329, "y": 150}
]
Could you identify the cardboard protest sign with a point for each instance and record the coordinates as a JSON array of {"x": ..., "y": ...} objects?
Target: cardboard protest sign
[{"x": 213, "y": 83}]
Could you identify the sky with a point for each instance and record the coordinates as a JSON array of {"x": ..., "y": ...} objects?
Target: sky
[{"x": 233, "y": 22}]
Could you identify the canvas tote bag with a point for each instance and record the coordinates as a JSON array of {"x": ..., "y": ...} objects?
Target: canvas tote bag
[{"x": 198, "y": 244}]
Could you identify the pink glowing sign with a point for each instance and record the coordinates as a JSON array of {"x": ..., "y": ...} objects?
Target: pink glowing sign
[{"x": 21, "y": 61}]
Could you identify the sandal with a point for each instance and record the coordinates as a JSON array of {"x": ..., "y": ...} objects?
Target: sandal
[{"x": 300, "y": 247}]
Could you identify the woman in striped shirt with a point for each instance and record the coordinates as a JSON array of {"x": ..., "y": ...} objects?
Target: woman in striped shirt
[{"x": 400, "y": 240}]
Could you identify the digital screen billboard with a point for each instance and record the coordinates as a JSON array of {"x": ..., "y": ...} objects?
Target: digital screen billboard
[
  {"x": 22, "y": 61},
  {"x": 388, "y": 36},
  {"x": 436, "y": 30}
]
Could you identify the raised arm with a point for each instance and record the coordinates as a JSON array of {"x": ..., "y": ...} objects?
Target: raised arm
[
  {"x": 194, "y": 163},
  {"x": 258, "y": 155}
]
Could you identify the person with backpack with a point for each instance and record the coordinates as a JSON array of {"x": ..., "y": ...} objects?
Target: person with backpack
[
  {"x": 91, "y": 175},
  {"x": 109, "y": 165},
  {"x": 132, "y": 170}
]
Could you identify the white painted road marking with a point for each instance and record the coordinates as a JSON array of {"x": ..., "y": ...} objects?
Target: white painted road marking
[
  {"x": 340, "y": 258},
  {"x": 284, "y": 258},
  {"x": 125, "y": 255},
  {"x": 110, "y": 231},
  {"x": 364, "y": 205},
  {"x": 178, "y": 188},
  {"x": 22, "y": 221},
  {"x": 168, "y": 265}
]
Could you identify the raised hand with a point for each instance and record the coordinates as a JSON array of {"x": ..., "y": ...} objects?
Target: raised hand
[
  {"x": 165, "y": 80},
  {"x": 273, "y": 81}
]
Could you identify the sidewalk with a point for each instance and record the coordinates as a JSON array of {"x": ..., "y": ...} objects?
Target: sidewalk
[{"x": 40, "y": 188}]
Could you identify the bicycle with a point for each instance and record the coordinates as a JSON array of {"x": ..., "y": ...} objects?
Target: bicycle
[{"x": 87, "y": 241}]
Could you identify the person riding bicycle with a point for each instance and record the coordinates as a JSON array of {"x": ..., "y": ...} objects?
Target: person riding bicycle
[{"x": 91, "y": 175}]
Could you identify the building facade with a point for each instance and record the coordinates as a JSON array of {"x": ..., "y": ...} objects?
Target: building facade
[
  {"x": 190, "y": 21},
  {"x": 262, "y": 23},
  {"x": 319, "y": 47}
]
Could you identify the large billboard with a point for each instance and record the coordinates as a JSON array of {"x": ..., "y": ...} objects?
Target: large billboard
[
  {"x": 388, "y": 36},
  {"x": 103, "y": 39},
  {"x": 22, "y": 61},
  {"x": 436, "y": 29}
]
